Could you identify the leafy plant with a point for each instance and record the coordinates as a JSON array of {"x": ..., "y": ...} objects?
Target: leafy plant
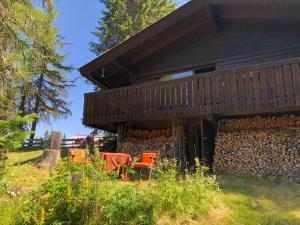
[
  {"x": 87, "y": 194},
  {"x": 11, "y": 137},
  {"x": 11, "y": 134},
  {"x": 178, "y": 196},
  {"x": 126, "y": 205}
]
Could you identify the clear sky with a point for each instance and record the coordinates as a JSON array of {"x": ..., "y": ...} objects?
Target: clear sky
[{"x": 76, "y": 20}]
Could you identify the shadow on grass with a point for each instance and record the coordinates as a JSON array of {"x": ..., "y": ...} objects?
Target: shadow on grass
[
  {"x": 31, "y": 149},
  {"x": 33, "y": 161}
]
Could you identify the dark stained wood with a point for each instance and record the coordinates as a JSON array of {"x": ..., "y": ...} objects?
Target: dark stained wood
[
  {"x": 236, "y": 45},
  {"x": 272, "y": 87},
  {"x": 152, "y": 35},
  {"x": 228, "y": 33}
]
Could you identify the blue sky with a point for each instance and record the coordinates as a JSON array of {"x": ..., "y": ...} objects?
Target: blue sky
[{"x": 76, "y": 20}]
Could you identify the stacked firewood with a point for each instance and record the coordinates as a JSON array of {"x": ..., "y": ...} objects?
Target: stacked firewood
[
  {"x": 145, "y": 134},
  {"x": 261, "y": 123},
  {"x": 263, "y": 147},
  {"x": 138, "y": 141}
]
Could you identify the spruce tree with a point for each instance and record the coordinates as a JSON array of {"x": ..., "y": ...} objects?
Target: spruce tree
[{"x": 124, "y": 18}]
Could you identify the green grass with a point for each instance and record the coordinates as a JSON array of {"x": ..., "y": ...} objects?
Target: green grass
[
  {"x": 257, "y": 201},
  {"x": 243, "y": 200},
  {"x": 22, "y": 176}
]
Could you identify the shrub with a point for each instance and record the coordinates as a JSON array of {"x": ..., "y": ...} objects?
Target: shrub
[
  {"x": 86, "y": 194},
  {"x": 176, "y": 196},
  {"x": 126, "y": 205},
  {"x": 68, "y": 198},
  {"x": 11, "y": 137}
]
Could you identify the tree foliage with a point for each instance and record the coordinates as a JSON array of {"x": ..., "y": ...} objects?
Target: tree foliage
[
  {"x": 124, "y": 18},
  {"x": 32, "y": 73},
  {"x": 11, "y": 135}
]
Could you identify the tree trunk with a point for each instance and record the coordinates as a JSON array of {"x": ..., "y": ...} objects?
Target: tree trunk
[
  {"x": 37, "y": 104},
  {"x": 22, "y": 104},
  {"x": 22, "y": 107}
]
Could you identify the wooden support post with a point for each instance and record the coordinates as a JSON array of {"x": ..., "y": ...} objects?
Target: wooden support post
[
  {"x": 122, "y": 132},
  {"x": 179, "y": 139},
  {"x": 202, "y": 142}
]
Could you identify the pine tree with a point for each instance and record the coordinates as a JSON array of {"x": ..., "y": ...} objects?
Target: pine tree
[
  {"x": 49, "y": 98},
  {"x": 124, "y": 18},
  {"x": 12, "y": 136},
  {"x": 46, "y": 135}
]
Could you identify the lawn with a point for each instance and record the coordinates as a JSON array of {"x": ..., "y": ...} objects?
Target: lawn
[{"x": 243, "y": 200}]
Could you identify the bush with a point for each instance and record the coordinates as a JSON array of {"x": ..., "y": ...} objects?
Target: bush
[
  {"x": 185, "y": 197},
  {"x": 11, "y": 137},
  {"x": 86, "y": 194},
  {"x": 126, "y": 205}
]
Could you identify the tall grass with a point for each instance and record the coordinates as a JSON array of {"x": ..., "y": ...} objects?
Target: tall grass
[{"x": 86, "y": 194}]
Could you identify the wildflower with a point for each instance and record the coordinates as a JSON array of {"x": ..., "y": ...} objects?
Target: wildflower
[
  {"x": 118, "y": 171},
  {"x": 140, "y": 182},
  {"x": 86, "y": 182},
  {"x": 42, "y": 216},
  {"x": 69, "y": 193},
  {"x": 45, "y": 198},
  {"x": 48, "y": 195},
  {"x": 74, "y": 178}
]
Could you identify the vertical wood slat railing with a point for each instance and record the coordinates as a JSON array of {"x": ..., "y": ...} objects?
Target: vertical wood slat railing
[{"x": 259, "y": 88}]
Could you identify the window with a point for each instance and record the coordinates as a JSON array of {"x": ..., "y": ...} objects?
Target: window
[
  {"x": 205, "y": 69},
  {"x": 187, "y": 73},
  {"x": 177, "y": 75}
]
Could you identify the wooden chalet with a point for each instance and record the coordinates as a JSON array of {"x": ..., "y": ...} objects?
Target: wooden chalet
[{"x": 207, "y": 60}]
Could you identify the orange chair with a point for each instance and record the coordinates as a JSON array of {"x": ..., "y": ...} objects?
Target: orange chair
[
  {"x": 148, "y": 160},
  {"x": 77, "y": 155}
]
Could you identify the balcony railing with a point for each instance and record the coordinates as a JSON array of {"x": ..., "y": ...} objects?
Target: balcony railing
[{"x": 259, "y": 88}]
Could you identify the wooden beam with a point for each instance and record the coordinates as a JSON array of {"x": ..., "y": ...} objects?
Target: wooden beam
[
  {"x": 122, "y": 67},
  {"x": 121, "y": 80},
  {"x": 191, "y": 23},
  {"x": 98, "y": 83}
]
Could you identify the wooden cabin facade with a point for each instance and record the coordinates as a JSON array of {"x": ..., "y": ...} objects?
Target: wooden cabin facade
[{"x": 242, "y": 58}]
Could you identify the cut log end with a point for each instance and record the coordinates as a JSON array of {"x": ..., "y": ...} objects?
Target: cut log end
[{"x": 50, "y": 158}]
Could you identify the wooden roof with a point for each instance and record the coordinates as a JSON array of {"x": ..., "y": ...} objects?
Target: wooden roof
[{"x": 124, "y": 58}]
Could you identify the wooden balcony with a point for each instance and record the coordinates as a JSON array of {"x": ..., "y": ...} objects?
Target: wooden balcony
[{"x": 272, "y": 87}]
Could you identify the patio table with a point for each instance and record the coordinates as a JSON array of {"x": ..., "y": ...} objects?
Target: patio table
[{"x": 115, "y": 160}]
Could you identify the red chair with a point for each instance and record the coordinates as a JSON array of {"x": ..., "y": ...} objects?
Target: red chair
[{"x": 148, "y": 160}]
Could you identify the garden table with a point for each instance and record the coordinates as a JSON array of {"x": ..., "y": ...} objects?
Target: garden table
[{"x": 115, "y": 160}]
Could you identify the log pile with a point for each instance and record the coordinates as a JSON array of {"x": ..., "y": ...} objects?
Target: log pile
[
  {"x": 261, "y": 123},
  {"x": 263, "y": 147},
  {"x": 138, "y": 141}
]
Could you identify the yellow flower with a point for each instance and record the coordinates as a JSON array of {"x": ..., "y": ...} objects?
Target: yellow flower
[
  {"x": 69, "y": 193},
  {"x": 48, "y": 195},
  {"x": 118, "y": 171},
  {"x": 42, "y": 216},
  {"x": 140, "y": 181},
  {"x": 86, "y": 182}
]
